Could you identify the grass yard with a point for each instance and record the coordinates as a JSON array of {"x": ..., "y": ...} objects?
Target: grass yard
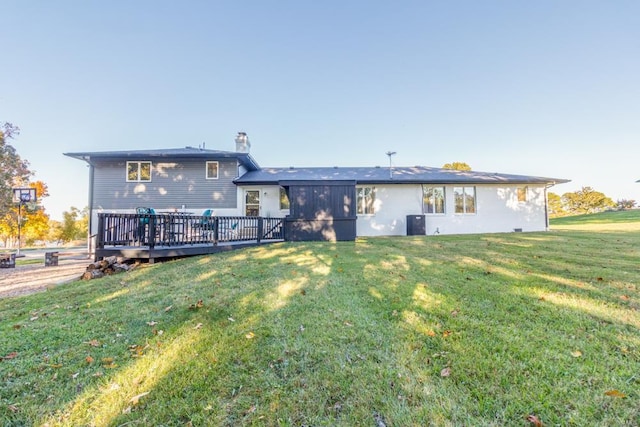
[{"x": 519, "y": 329}]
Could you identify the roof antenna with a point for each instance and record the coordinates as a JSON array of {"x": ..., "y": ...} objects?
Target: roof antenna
[{"x": 390, "y": 153}]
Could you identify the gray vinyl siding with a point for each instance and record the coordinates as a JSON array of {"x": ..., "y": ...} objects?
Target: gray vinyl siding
[{"x": 172, "y": 185}]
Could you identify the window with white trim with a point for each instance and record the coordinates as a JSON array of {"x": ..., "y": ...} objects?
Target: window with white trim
[
  {"x": 522, "y": 194},
  {"x": 365, "y": 200},
  {"x": 212, "y": 170},
  {"x": 138, "y": 171},
  {"x": 433, "y": 200},
  {"x": 284, "y": 199},
  {"x": 465, "y": 200}
]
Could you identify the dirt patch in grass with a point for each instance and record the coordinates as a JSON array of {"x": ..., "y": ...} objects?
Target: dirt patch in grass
[{"x": 28, "y": 279}]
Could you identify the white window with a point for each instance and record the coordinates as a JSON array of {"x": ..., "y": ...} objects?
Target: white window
[
  {"x": 365, "y": 199},
  {"x": 212, "y": 170},
  {"x": 284, "y": 200},
  {"x": 522, "y": 194},
  {"x": 465, "y": 200},
  {"x": 433, "y": 200},
  {"x": 138, "y": 171}
]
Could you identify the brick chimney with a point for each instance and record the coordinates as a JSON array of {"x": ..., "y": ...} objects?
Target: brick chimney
[{"x": 242, "y": 143}]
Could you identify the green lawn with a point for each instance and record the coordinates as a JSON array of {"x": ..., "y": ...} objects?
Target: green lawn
[
  {"x": 490, "y": 330},
  {"x": 628, "y": 220}
]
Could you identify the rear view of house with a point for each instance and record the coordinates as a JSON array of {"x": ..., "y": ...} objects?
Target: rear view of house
[{"x": 325, "y": 203}]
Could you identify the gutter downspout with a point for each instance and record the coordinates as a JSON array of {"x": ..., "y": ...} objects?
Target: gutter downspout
[
  {"x": 546, "y": 205},
  {"x": 90, "y": 244}
]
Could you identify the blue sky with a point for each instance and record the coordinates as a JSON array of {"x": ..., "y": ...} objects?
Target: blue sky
[{"x": 545, "y": 88}]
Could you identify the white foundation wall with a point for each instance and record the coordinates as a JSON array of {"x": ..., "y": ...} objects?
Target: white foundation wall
[{"x": 497, "y": 211}]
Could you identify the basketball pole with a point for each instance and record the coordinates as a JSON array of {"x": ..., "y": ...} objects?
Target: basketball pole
[{"x": 19, "y": 227}]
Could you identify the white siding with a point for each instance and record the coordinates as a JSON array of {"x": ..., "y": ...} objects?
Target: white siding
[
  {"x": 497, "y": 210},
  {"x": 392, "y": 205}
]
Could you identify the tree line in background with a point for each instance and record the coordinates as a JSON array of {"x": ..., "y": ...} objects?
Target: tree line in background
[
  {"x": 584, "y": 201},
  {"x": 35, "y": 225}
]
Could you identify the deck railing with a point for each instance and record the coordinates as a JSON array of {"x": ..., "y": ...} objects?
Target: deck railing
[{"x": 179, "y": 229}]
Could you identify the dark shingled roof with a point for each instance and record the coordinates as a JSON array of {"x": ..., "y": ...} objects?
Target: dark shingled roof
[
  {"x": 169, "y": 153},
  {"x": 380, "y": 175},
  {"x": 361, "y": 175}
]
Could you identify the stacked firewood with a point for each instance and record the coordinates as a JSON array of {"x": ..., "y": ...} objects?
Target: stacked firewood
[{"x": 105, "y": 267}]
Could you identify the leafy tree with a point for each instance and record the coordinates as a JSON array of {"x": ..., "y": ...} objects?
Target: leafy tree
[
  {"x": 74, "y": 225},
  {"x": 586, "y": 200},
  {"x": 624, "y": 204},
  {"x": 555, "y": 205},
  {"x": 459, "y": 166},
  {"x": 55, "y": 232},
  {"x": 35, "y": 227},
  {"x": 14, "y": 171}
]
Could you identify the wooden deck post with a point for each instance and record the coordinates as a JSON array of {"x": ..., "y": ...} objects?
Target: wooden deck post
[
  {"x": 100, "y": 236},
  {"x": 151, "y": 238}
]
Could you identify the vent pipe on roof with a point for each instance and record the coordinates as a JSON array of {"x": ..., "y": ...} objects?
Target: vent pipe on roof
[
  {"x": 242, "y": 143},
  {"x": 390, "y": 153}
]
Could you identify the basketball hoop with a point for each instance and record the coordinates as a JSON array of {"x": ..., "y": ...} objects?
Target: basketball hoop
[{"x": 22, "y": 196}]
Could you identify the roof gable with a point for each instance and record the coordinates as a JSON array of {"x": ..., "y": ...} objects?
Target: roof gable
[{"x": 170, "y": 153}]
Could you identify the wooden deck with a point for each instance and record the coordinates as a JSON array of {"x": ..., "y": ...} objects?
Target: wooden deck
[{"x": 172, "y": 235}]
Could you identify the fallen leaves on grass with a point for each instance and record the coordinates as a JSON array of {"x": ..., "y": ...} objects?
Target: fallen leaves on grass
[
  {"x": 576, "y": 353},
  {"x": 196, "y": 305},
  {"x": 152, "y": 323},
  {"x": 250, "y": 335},
  {"x": 107, "y": 362},
  {"x": 93, "y": 343},
  {"x": 615, "y": 393},
  {"x": 136, "y": 399},
  {"x": 10, "y": 356},
  {"x": 534, "y": 420},
  {"x": 137, "y": 350},
  {"x": 445, "y": 372},
  {"x": 89, "y": 359},
  {"x": 198, "y": 326},
  {"x": 13, "y": 408}
]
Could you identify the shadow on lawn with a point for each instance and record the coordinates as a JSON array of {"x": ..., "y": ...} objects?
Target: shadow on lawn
[{"x": 411, "y": 305}]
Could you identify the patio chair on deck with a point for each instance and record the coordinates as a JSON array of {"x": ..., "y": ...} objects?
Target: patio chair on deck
[
  {"x": 141, "y": 231},
  {"x": 205, "y": 224},
  {"x": 230, "y": 231}
]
